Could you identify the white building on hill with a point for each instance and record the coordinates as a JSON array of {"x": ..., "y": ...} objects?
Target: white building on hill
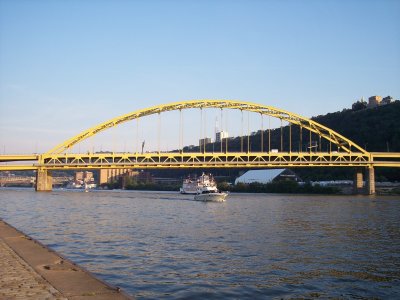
[{"x": 221, "y": 135}]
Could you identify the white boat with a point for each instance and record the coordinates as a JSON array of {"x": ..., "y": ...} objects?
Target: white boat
[
  {"x": 213, "y": 196},
  {"x": 198, "y": 185}
]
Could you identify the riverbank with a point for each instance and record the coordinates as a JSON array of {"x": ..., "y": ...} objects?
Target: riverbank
[{"x": 29, "y": 269}]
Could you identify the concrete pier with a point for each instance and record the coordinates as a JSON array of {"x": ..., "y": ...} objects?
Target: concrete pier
[
  {"x": 29, "y": 270},
  {"x": 358, "y": 183},
  {"x": 370, "y": 183},
  {"x": 44, "y": 180}
]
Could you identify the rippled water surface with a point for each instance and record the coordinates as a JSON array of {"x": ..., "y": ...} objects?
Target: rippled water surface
[{"x": 158, "y": 245}]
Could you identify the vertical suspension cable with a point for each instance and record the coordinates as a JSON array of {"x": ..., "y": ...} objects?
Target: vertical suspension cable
[
  {"x": 290, "y": 137},
  {"x": 241, "y": 139},
  {"x": 262, "y": 132},
  {"x": 158, "y": 133},
  {"x": 269, "y": 133},
  {"x": 215, "y": 135},
  {"x": 137, "y": 134},
  {"x": 281, "y": 137},
  {"x": 320, "y": 146},
  {"x": 201, "y": 129},
  {"x": 310, "y": 141},
  {"x": 301, "y": 139},
  {"x": 248, "y": 131},
  {"x": 113, "y": 139},
  {"x": 220, "y": 132},
  {"x": 91, "y": 144},
  {"x": 205, "y": 130},
  {"x": 180, "y": 131},
  {"x": 227, "y": 138}
]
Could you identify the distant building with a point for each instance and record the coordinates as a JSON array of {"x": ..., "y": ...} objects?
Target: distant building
[
  {"x": 81, "y": 179},
  {"x": 84, "y": 177},
  {"x": 374, "y": 101},
  {"x": 204, "y": 141},
  {"x": 221, "y": 135},
  {"x": 109, "y": 175},
  {"x": 78, "y": 176},
  {"x": 143, "y": 177},
  {"x": 167, "y": 181},
  {"x": 266, "y": 176}
]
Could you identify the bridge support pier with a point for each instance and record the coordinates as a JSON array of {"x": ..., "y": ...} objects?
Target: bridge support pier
[
  {"x": 370, "y": 182},
  {"x": 44, "y": 180},
  {"x": 358, "y": 183}
]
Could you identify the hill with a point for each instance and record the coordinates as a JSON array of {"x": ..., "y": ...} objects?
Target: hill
[{"x": 376, "y": 129}]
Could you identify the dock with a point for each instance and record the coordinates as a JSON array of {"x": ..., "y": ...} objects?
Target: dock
[{"x": 30, "y": 270}]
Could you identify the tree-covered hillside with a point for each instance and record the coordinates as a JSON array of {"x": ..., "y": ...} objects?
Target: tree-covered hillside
[{"x": 376, "y": 129}]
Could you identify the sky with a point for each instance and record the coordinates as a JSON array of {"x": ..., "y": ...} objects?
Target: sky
[{"x": 66, "y": 66}]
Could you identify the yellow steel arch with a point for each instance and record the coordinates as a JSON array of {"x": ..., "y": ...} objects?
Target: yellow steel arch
[{"x": 324, "y": 132}]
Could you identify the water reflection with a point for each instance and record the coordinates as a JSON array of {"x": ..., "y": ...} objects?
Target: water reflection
[{"x": 161, "y": 245}]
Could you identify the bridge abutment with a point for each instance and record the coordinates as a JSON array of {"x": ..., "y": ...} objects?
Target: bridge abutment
[{"x": 44, "y": 180}]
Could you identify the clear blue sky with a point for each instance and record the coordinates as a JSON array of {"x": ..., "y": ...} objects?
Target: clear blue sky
[{"x": 68, "y": 65}]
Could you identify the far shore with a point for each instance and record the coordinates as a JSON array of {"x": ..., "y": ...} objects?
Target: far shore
[{"x": 337, "y": 190}]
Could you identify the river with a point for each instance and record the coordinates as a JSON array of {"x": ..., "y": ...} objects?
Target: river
[{"x": 162, "y": 245}]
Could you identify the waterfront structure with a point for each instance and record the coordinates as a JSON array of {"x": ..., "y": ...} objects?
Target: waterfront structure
[
  {"x": 125, "y": 176},
  {"x": 341, "y": 152},
  {"x": 84, "y": 177},
  {"x": 17, "y": 180},
  {"x": 267, "y": 176},
  {"x": 110, "y": 175}
]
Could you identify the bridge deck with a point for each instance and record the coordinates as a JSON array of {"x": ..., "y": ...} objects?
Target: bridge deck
[
  {"x": 19, "y": 157},
  {"x": 161, "y": 160}
]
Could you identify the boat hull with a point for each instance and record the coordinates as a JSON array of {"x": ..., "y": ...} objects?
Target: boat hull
[{"x": 211, "y": 197}]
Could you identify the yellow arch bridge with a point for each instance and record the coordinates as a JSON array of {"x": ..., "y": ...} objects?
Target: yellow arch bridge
[{"x": 342, "y": 152}]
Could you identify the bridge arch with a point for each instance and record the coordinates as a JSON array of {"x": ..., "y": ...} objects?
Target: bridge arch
[{"x": 337, "y": 139}]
